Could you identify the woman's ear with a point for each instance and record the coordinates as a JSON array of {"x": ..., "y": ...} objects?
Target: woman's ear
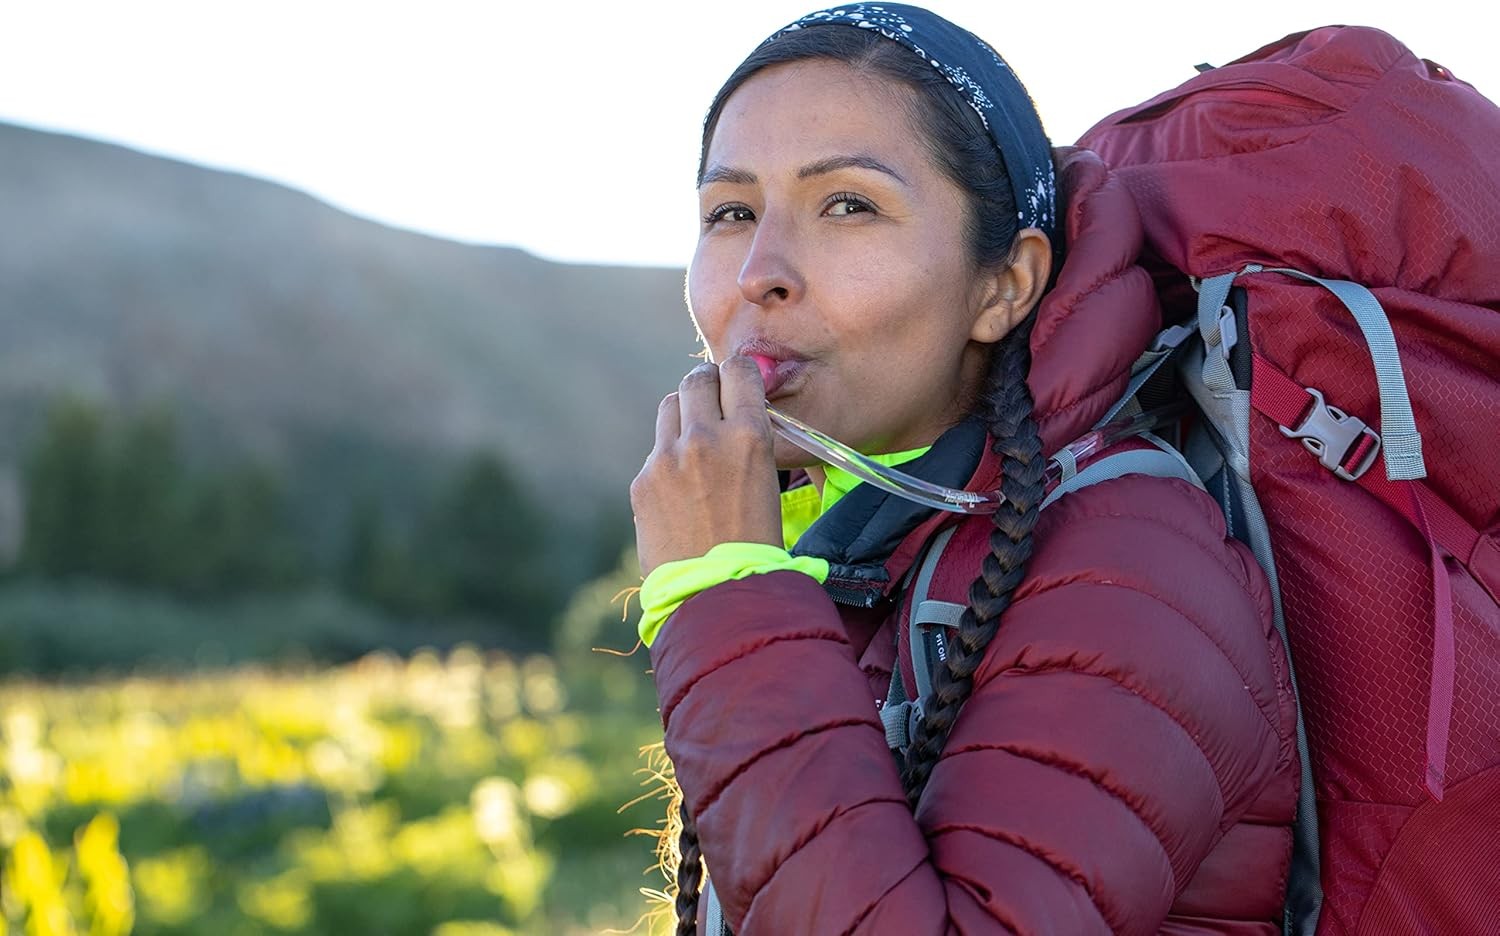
[{"x": 1008, "y": 294}]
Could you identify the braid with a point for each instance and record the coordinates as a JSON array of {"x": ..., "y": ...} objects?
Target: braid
[
  {"x": 689, "y": 874},
  {"x": 1007, "y": 400},
  {"x": 1006, "y": 397}
]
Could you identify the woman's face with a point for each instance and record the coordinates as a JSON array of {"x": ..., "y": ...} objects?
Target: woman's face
[{"x": 833, "y": 250}]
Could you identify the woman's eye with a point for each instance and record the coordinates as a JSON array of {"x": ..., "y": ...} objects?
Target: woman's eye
[
  {"x": 729, "y": 213},
  {"x": 845, "y": 204}
]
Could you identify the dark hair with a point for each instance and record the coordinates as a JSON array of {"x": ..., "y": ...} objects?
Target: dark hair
[
  {"x": 962, "y": 148},
  {"x": 956, "y": 138}
]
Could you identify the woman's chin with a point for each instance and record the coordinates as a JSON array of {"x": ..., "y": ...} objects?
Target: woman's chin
[{"x": 789, "y": 456}]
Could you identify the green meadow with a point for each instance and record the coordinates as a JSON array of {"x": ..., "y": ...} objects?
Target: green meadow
[{"x": 463, "y": 794}]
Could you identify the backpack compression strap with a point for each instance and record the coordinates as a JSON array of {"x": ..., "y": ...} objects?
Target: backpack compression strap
[
  {"x": 1347, "y": 446},
  {"x": 1294, "y": 408}
]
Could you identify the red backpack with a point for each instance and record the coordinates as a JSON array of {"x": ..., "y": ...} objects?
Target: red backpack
[
  {"x": 1334, "y": 203},
  {"x": 1323, "y": 225}
]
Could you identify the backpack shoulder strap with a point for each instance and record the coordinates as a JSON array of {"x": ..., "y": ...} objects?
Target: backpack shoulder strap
[
  {"x": 929, "y": 617},
  {"x": 1161, "y": 461},
  {"x": 928, "y": 646}
]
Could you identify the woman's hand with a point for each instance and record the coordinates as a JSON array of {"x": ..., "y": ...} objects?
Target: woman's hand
[{"x": 711, "y": 477}]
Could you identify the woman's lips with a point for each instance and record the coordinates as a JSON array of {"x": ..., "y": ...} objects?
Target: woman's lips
[
  {"x": 767, "y": 367},
  {"x": 776, "y": 373},
  {"x": 781, "y": 366}
]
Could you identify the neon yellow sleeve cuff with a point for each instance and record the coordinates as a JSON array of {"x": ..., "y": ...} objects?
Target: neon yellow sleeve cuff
[{"x": 672, "y": 583}]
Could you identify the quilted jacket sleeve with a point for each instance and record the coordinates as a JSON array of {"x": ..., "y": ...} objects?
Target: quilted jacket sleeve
[{"x": 1131, "y": 708}]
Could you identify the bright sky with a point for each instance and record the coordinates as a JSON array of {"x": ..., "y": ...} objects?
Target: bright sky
[{"x": 567, "y": 128}]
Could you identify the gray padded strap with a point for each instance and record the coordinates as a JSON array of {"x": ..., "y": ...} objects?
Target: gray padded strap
[
  {"x": 927, "y": 641},
  {"x": 1207, "y": 376},
  {"x": 898, "y": 713},
  {"x": 1161, "y": 462},
  {"x": 929, "y": 566},
  {"x": 921, "y": 637},
  {"x": 929, "y": 616}
]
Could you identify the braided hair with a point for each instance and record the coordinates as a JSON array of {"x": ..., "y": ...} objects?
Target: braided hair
[{"x": 961, "y": 147}]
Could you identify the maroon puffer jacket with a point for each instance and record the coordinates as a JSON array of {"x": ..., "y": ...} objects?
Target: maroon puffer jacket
[{"x": 1126, "y": 763}]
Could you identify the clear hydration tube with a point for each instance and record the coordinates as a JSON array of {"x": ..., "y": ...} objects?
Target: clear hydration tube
[{"x": 836, "y": 453}]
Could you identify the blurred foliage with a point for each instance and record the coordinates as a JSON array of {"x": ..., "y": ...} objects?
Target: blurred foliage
[
  {"x": 481, "y": 549},
  {"x": 196, "y": 772},
  {"x": 485, "y": 540},
  {"x": 86, "y": 627},
  {"x": 465, "y": 795},
  {"x": 603, "y": 612},
  {"x": 111, "y": 502},
  {"x": 115, "y": 502}
]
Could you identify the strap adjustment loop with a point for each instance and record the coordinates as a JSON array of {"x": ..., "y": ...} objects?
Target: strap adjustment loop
[{"x": 900, "y": 721}]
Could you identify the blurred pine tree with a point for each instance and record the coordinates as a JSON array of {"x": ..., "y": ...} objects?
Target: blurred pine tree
[{"x": 66, "y": 488}]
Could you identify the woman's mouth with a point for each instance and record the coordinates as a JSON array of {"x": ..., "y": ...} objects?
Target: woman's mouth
[{"x": 776, "y": 373}]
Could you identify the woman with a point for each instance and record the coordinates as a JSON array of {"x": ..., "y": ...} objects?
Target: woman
[{"x": 1109, "y": 747}]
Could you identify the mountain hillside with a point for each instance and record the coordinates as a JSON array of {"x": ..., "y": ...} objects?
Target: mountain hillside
[{"x": 280, "y": 326}]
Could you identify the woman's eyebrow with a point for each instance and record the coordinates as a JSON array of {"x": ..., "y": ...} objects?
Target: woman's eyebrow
[
  {"x": 859, "y": 161},
  {"x": 718, "y": 173}
]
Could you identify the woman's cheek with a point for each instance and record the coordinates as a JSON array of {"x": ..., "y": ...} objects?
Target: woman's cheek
[
  {"x": 704, "y": 305},
  {"x": 713, "y": 329}
]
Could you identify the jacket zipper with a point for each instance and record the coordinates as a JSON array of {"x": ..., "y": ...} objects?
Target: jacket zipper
[{"x": 860, "y": 596}]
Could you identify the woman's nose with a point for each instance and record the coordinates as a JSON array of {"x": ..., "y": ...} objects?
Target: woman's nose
[{"x": 769, "y": 274}]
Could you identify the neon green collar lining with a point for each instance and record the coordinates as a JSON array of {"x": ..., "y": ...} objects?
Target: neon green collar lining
[{"x": 802, "y": 506}]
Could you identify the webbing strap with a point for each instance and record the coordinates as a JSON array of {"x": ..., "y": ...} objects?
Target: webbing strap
[
  {"x": 926, "y": 643},
  {"x": 1444, "y": 666},
  {"x": 1398, "y": 426},
  {"x": 1067, "y": 461},
  {"x": 1145, "y": 367},
  {"x": 896, "y": 714},
  {"x": 1213, "y": 294},
  {"x": 929, "y": 616},
  {"x": 1277, "y": 396},
  {"x": 714, "y": 923},
  {"x": 1159, "y": 462},
  {"x": 942, "y": 613}
]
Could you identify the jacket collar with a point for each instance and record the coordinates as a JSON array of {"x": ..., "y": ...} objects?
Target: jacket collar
[{"x": 871, "y": 537}]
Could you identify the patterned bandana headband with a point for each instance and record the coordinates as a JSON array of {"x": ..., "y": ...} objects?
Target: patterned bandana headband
[{"x": 986, "y": 83}]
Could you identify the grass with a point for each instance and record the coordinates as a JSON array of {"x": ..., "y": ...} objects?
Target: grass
[{"x": 461, "y": 795}]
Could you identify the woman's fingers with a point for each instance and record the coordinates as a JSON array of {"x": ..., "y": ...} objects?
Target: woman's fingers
[
  {"x": 698, "y": 396},
  {"x": 733, "y": 390},
  {"x": 668, "y": 422},
  {"x": 742, "y": 392},
  {"x": 712, "y": 476}
]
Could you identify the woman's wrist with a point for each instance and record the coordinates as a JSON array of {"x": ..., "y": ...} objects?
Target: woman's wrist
[{"x": 672, "y": 583}]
